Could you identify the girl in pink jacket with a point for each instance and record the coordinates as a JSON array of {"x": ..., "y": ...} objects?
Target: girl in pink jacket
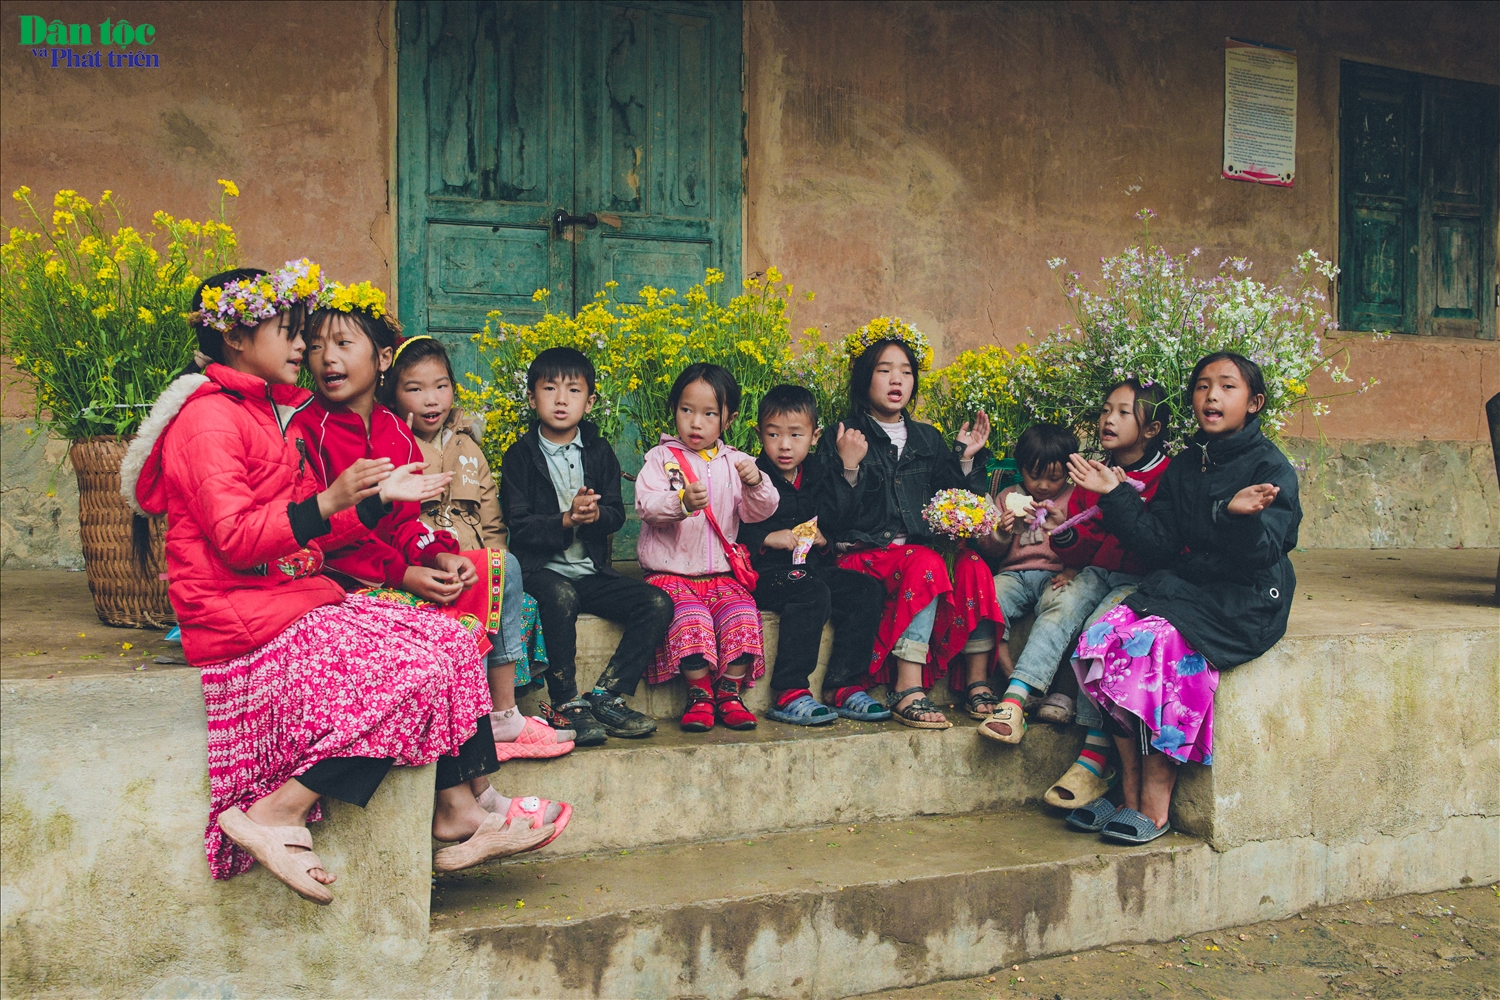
[{"x": 714, "y": 639}]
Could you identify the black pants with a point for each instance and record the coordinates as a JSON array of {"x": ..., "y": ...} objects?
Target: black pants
[
  {"x": 644, "y": 611},
  {"x": 354, "y": 779},
  {"x": 805, "y": 602}
]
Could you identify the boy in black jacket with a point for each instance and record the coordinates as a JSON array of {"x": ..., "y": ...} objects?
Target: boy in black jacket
[
  {"x": 806, "y": 594},
  {"x": 560, "y": 494}
]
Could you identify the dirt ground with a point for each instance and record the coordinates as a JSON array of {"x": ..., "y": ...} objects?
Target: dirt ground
[{"x": 1443, "y": 944}]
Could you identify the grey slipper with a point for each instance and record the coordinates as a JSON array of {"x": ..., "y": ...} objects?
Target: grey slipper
[
  {"x": 1092, "y": 817},
  {"x": 1130, "y": 827},
  {"x": 1056, "y": 708}
]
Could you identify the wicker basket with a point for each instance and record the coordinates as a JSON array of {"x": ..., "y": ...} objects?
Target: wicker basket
[{"x": 124, "y": 593}]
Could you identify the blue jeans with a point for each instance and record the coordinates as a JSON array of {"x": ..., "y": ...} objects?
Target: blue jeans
[
  {"x": 1115, "y": 587},
  {"x": 915, "y": 641},
  {"x": 509, "y": 644}
]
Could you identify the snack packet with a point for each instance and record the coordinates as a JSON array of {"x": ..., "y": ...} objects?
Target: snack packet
[{"x": 806, "y": 534}]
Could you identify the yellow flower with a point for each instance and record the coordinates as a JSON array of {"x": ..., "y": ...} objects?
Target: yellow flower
[
  {"x": 53, "y": 268},
  {"x": 229, "y": 188},
  {"x": 145, "y": 315},
  {"x": 21, "y": 193},
  {"x": 62, "y": 198},
  {"x": 102, "y": 311},
  {"x": 61, "y": 218}
]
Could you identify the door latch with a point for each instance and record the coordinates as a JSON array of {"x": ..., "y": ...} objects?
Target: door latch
[{"x": 562, "y": 219}]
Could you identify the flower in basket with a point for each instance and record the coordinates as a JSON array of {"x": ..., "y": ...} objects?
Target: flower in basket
[{"x": 959, "y": 514}]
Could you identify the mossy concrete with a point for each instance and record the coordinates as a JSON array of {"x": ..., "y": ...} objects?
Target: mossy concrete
[{"x": 38, "y": 500}]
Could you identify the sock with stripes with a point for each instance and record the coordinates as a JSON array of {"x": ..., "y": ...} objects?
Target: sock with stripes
[
  {"x": 1091, "y": 757},
  {"x": 1016, "y": 691}
]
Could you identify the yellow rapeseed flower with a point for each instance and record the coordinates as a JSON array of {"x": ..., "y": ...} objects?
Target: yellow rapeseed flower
[
  {"x": 230, "y": 188},
  {"x": 145, "y": 315}
]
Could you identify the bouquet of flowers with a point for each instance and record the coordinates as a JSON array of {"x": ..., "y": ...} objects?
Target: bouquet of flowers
[{"x": 959, "y": 514}]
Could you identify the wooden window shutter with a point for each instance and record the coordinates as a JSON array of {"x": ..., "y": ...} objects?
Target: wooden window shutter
[
  {"x": 1457, "y": 209},
  {"x": 1380, "y": 121}
]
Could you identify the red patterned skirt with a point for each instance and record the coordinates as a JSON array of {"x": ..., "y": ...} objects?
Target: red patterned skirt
[
  {"x": 914, "y": 576},
  {"x": 716, "y": 618},
  {"x": 362, "y": 678}
]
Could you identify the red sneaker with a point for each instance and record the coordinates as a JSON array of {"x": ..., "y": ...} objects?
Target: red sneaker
[{"x": 730, "y": 709}]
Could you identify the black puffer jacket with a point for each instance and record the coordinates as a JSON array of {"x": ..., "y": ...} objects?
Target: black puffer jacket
[
  {"x": 532, "y": 513},
  {"x": 1230, "y": 592},
  {"x": 892, "y": 491}
]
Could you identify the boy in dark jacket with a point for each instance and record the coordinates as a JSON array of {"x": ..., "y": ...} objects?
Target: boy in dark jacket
[
  {"x": 800, "y": 582},
  {"x": 560, "y": 493}
]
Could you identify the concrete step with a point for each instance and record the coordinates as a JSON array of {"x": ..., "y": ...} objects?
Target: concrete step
[
  {"x": 829, "y": 912},
  {"x": 677, "y": 787}
]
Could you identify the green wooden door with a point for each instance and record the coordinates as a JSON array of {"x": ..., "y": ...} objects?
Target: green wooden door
[{"x": 511, "y": 112}]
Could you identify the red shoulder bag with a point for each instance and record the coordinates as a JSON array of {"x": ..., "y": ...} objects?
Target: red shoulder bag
[{"x": 738, "y": 555}]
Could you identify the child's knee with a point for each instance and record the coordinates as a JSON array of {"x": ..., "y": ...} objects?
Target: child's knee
[
  {"x": 659, "y": 607},
  {"x": 556, "y": 599}
]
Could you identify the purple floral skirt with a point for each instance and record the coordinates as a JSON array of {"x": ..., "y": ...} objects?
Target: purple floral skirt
[{"x": 1142, "y": 668}]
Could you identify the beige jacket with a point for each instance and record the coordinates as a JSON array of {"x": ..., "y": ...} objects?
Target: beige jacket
[{"x": 470, "y": 508}]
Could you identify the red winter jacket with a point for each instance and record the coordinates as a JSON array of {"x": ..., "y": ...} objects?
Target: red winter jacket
[
  {"x": 337, "y": 439},
  {"x": 215, "y": 456},
  {"x": 1088, "y": 544}
]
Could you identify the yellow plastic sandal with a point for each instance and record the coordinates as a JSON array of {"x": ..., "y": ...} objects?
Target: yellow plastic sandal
[
  {"x": 1009, "y": 714},
  {"x": 1081, "y": 784}
]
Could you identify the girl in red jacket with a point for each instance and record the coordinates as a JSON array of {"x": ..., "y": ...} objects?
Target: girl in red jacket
[
  {"x": 308, "y": 692},
  {"x": 352, "y": 342},
  {"x": 1130, "y": 432}
]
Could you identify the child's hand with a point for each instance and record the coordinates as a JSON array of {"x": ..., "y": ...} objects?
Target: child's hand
[
  {"x": 408, "y": 484},
  {"x": 973, "y": 438},
  {"x": 363, "y": 478},
  {"x": 1253, "y": 499},
  {"x": 1007, "y": 522},
  {"x": 1061, "y": 580},
  {"x": 585, "y": 509},
  {"x": 433, "y": 585},
  {"x": 1096, "y": 477},
  {"x": 749, "y": 471},
  {"x": 780, "y": 540},
  {"x": 694, "y": 497},
  {"x": 458, "y": 567},
  {"x": 852, "y": 446}
]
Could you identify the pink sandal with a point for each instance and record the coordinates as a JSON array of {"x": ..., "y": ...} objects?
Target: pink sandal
[
  {"x": 535, "y": 810},
  {"x": 537, "y": 741}
]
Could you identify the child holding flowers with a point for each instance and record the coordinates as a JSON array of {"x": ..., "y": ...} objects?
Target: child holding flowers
[
  {"x": 352, "y": 345},
  {"x": 896, "y": 465},
  {"x": 692, "y": 494},
  {"x": 1032, "y": 577},
  {"x": 1130, "y": 432},
  {"x": 1223, "y": 521}
]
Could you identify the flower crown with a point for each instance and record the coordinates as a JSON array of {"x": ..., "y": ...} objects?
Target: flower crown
[
  {"x": 889, "y": 328},
  {"x": 251, "y": 300},
  {"x": 363, "y": 296}
]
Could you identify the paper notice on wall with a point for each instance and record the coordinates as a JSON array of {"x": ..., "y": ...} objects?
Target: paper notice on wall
[{"x": 1260, "y": 113}]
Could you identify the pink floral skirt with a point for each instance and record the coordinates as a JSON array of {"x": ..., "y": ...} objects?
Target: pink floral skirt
[
  {"x": 1142, "y": 668},
  {"x": 362, "y": 678},
  {"x": 716, "y": 618}
]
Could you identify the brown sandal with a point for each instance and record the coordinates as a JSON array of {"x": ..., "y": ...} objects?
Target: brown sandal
[
  {"x": 496, "y": 837},
  {"x": 911, "y": 713},
  {"x": 268, "y": 845}
]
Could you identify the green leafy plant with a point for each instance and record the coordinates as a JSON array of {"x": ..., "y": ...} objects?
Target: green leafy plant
[
  {"x": 1152, "y": 317},
  {"x": 92, "y": 310}
]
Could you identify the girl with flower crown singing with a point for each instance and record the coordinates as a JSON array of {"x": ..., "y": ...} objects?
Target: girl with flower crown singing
[
  {"x": 897, "y": 465},
  {"x": 1223, "y": 520},
  {"x": 352, "y": 343},
  {"x": 692, "y": 494},
  {"x": 309, "y": 692}
]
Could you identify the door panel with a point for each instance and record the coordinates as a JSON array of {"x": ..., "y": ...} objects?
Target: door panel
[
  {"x": 658, "y": 143},
  {"x": 1457, "y": 220},
  {"x": 485, "y": 150}
]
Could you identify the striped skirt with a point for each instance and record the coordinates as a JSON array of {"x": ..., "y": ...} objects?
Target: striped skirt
[{"x": 716, "y": 618}]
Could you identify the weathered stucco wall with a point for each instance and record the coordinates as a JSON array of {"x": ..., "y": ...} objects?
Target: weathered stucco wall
[
  {"x": 921, "y": 159},
  {"x": 927, "y": 159},
  {"x": 292, "y": 101}
]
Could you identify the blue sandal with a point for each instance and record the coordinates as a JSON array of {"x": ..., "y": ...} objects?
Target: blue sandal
[
  {"x": 804, "y": 711},
  {"x": 1092, "y": 817},
  {"x": 860, "y": 707},
  {"x": 1130, "y": 827}
]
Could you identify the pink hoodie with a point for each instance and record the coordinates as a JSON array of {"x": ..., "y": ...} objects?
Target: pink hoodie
[{"x": 673, "y": 541}]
